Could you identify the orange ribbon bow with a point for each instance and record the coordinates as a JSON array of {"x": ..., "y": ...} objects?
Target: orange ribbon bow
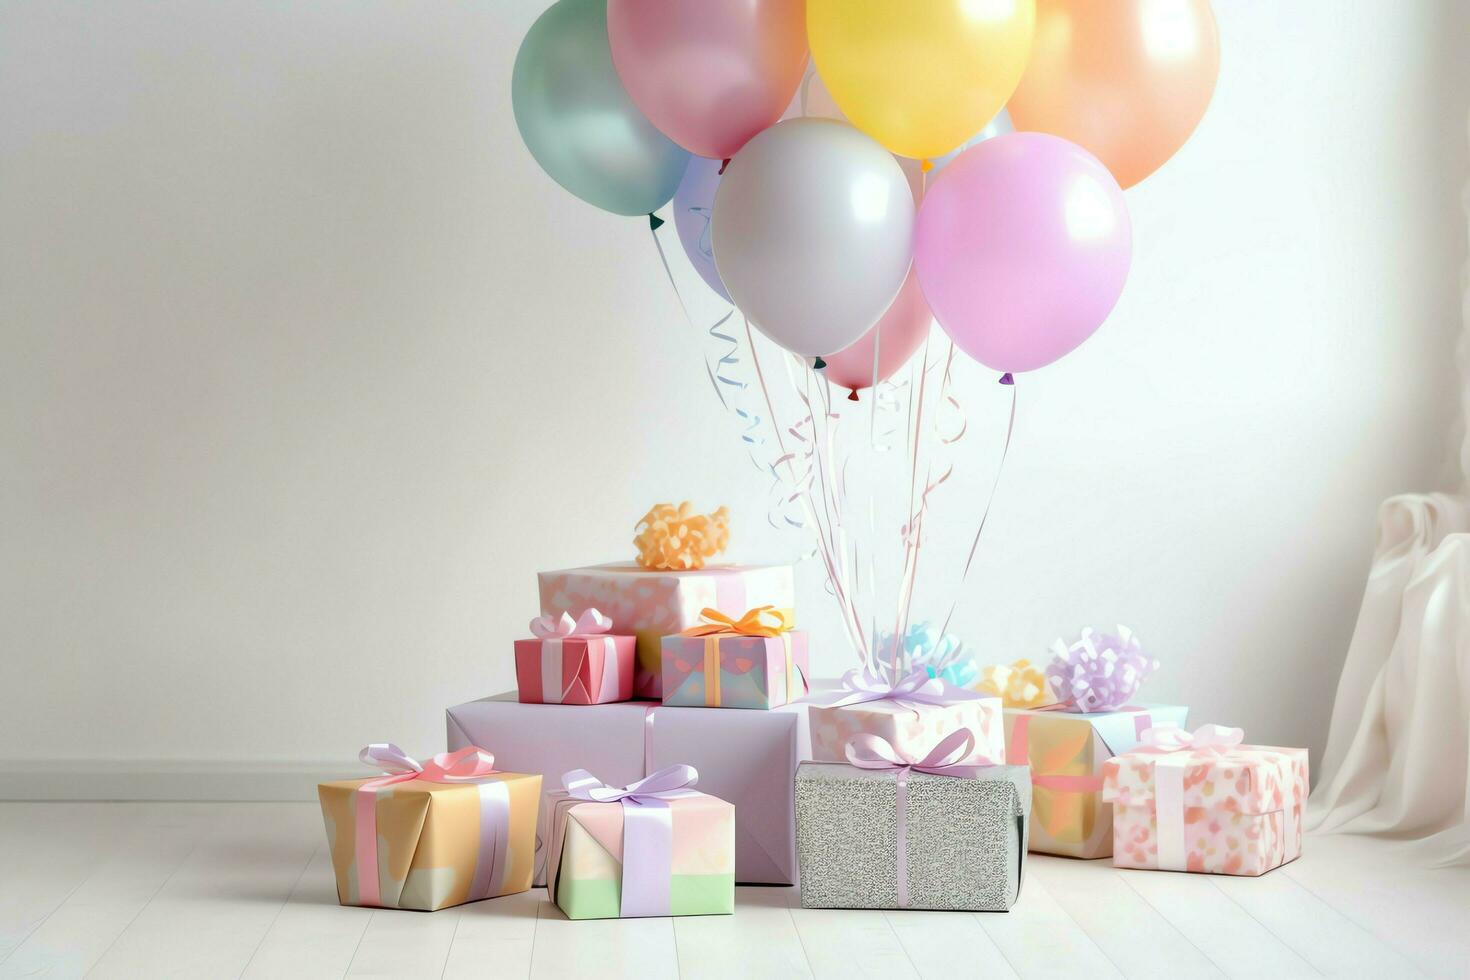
[
  {"x": 755, "y": 622},
  {"x": 767, "y": 621}
]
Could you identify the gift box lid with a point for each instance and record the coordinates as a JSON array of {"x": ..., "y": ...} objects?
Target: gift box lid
[
  {"x": 1246, "y": 779},
  {"x": 634, "y": 570},
  {"x": 1119, "y": 730}
]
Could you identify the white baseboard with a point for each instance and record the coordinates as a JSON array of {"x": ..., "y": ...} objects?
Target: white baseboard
[{"x": 168, "y": 779}]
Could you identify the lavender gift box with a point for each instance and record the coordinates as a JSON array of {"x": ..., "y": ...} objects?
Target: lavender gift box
[{"x": 747, "y": 758}]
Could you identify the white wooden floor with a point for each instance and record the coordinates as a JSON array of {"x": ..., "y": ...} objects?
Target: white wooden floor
[{"x": 229, "y": 889}]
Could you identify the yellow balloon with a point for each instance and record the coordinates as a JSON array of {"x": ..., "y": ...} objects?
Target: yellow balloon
[{"x": 920, "y": 76}]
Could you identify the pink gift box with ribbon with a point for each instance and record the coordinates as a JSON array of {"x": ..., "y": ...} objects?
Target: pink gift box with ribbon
[
  {"x": 652, "y": 604},
  {"x": 1204, "y": 802},
  {"x": 574, "y": 662},
  {"x": 912, "y": 714}
]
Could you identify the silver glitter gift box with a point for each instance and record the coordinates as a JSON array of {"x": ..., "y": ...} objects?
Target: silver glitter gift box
[{"x": 900, "y": 838}]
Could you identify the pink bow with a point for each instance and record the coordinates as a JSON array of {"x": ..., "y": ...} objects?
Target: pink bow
[
  {"x": 648, "y": 831},
  {"x": 553, "y": 627},
  {"x": 469, "y": 764},
  {"x": 917, "y": 688},
  {"x": 466, "y": 765},
  {"x": 1172, "y": 738}
]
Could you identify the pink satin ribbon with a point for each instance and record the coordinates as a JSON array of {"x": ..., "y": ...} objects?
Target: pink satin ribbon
[
  {"x": 867, "y": 751},
  {"x": 648, "y": 831},
  {"x": 468, "y": 765}
]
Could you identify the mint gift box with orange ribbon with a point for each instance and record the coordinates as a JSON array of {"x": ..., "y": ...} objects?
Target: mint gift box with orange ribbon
[{"x": 754, "y": 661}]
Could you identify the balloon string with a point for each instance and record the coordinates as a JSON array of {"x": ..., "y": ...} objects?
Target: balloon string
[
  {"x": 721, "y": 379},
  {"x": 668, "y": 272},
  {"x": 821, "y": 450},
  {"x": 802, "y": 481},
  {"x": 985, "y": 514},
  {"x": 911, "y": 538}
]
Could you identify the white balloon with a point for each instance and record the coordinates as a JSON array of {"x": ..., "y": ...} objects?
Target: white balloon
[{"x": 812, "y": 233}]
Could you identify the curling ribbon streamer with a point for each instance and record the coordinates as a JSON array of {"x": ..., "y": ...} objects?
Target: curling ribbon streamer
[
  {"x": 1178, "y": 748},
  {"x": 868, "y": 751},
  {"x": 763, "y": 621},
  {"x": 556, "y": 681},
  {"x": 718, "y": 375},
  {"x": 468, "y": 765},
  {"x": 648, "y": 831}
]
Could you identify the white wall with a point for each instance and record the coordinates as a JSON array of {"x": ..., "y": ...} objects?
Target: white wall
[{"x": 305, "y": 370}]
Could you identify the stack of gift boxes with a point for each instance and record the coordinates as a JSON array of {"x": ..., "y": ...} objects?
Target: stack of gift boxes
[{"x": 665, "y": 744}]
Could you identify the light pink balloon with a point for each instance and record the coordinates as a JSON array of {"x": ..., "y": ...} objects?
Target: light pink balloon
[
  {"x": 710, "y": 74},
  {"x": 1022, "y": 247},
  {"x": 900, "y": 333}
]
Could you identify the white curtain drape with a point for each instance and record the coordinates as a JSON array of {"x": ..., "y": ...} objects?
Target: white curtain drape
[{"x": 1398, "y": 753}]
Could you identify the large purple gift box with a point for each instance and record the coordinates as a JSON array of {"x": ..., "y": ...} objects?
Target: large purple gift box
[{"x": 748, "y": 758}]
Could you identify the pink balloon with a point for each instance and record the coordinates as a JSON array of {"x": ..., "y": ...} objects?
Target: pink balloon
[
  {"x": 900, "y": 332},
  {"x": 1022, "y": 248},
  {"x": 710, "y": 74}
]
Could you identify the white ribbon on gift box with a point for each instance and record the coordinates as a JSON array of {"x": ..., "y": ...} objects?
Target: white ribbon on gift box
[
  {"x": 1176, "y": 747},
  {"x": 553, "y": 632}
]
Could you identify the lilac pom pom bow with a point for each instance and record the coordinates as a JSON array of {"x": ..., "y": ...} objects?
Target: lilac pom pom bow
[{"x": 1099, "y": 672}]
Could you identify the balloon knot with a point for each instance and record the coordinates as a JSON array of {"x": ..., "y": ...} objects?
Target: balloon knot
[
  {"x": 852, "y": 395},
  {"x": 723, "y": 164},
  {"x": 818, "y": 364},
  {"x": 654, "y": 222},
  {"x": 1006, "y": 379},
  {"x": 926, "y": 165}
]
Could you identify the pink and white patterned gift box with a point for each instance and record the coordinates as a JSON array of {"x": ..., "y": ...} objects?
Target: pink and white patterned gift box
[
  {"x": 654, "y": 604},
  {"x": 913, "y": 715},
  {"x": 1204, "y": 802}
]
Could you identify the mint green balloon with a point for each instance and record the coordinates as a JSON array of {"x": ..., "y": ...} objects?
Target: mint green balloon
[{"x": 578, "y": 121}]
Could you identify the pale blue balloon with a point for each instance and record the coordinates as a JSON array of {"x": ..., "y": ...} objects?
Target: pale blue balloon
[
  {"x": 694, "y": 205},
  {"x": 578, "y": 121}
]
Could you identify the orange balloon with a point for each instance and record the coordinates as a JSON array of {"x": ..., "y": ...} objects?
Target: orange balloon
[{"x": 1127, "y": 79}]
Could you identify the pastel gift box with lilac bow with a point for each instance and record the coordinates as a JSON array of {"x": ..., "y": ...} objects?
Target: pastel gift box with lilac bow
[
  {"x": 655, "y": 847},
  {"x": 891, "y": 830},
  {"x": 1065, "y": 720},
  {"x": 1202, "y": 801},
  {"x": 756, "y": 661},
  {"x": 915, "y": 712},
  {"x": 430, "y": 835},
  {"x": 654, "y": 603},
  {"x": 745, "y": 757},
  {"x": 574, "y": 661}
]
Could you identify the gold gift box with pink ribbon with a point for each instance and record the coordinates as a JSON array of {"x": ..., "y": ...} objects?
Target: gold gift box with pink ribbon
[{"x": 430, "y": 835}]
